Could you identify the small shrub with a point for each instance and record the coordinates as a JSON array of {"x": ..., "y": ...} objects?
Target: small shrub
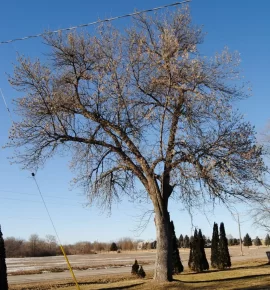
[
  {"x": 141, "y": 272},
  {"x": 135, "y": 268}
]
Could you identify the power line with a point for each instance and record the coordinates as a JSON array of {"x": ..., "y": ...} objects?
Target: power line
[
  {"x": 4, "y": 100},
  {"x": 56, "y": 233},
  {"x": 94, "y": 22}
]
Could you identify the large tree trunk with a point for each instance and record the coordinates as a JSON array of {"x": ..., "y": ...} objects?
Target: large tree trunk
[{"x": 163, "y": 268}]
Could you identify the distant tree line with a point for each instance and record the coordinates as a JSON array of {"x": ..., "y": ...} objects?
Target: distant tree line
[
  {"x": 184, "y": 241},
  {"x": 248, "y": 241},
  {"x": 38, "y": 247}
]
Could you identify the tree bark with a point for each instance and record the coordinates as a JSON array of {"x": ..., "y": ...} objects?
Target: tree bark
[{"x": 163, "y": 269}]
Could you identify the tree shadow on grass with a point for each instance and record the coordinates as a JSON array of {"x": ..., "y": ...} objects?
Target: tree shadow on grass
[
  {"x": 247, "y": 267},
  {"x": 122, "y": 287},
  {"x": 226, "y": 279},
  {"x": 231, "y": 269}
]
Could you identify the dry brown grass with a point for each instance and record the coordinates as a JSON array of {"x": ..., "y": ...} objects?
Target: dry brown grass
[
  {"x": 80, "y": 268},
  {"x": 248, "y": 275}
]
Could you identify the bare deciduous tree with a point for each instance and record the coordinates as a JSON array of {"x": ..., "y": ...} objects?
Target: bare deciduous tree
[
  {"x": 260, "y": 213},
  {"x": 140, "y": 105},
  {"x": 34, "y": 242},
  {"x": 260, "y": 210}
]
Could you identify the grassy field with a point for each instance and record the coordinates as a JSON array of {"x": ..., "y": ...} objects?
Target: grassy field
[{"x": 254, "y": 274}]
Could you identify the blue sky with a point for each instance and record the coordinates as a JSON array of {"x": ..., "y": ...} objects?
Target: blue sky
[{"x": 241, "y": 25}]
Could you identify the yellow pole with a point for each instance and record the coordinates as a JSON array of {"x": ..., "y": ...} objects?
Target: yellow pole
[{"x": 70, "y": 268}]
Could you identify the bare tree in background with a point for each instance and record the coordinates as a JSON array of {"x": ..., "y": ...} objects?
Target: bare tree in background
[
  {"x": 51, "y": 241},
  {"x": 261, "y": 214},
  {"x": 34, "y": 243},
  {"x": 260, "y": 210},
  {"x": 140, "y": 105}
]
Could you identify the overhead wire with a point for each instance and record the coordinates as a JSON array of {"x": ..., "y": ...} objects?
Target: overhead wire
[
  {"x": 4, "y": 100},
  {"x": 60, "y": 244},
  {"x": 94, "y": 22},
  {"x": 47, "y": 210}
]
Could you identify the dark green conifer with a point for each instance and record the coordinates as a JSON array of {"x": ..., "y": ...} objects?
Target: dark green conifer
[
  {"x": 231, "y": 242},
  {"x": 181, "y": 241},
  {"x": 247, "y": 241},
  {"x": 191, "y": 239},
  {"x": 215, "y": 247},
  {"x": 257, "y": 241},
  {"x": 177, "y": 266},
  {"x": 194, "y": 262},
  {"x": 191, "y": 252},
  {"x": 224, "y": 255},
  {"x": 186, "y": 242},
  {"x": 204, "y": 262},
  {"x": 197, "y": 259},
  {"x": 3, "y": 267},
  {"x": 267, "y": 240}
]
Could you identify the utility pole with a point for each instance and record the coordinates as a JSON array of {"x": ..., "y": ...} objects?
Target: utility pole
[{"x": 239, "y": 228}]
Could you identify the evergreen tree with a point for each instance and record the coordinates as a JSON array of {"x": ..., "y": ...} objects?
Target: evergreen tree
[
  {"x": 205, "y": 239},
  {"x": 113, "y": 247},
  {"x": 191, "y": 252},
  {"x": 177, "y": 264},
  {"x": 231, "y": 242},
  {"x": 215, "y": 247},
  {"x": 224, "y": 255},
  {"x": 267, "y": 240},
  {"x": 181, "y": 241},
  {"x": 186, "y": 242},
  {"x": 257, "y": 242},
  {"x": 236, "y": 242},
  {"x": 204, "y": 262},
  {"x": 197, "y": 259},
  {"x": 135, "y": 268},
  {"x": 247, "y": 241},
  {"x": 3, "y": 267},
  {"x": 191, "y": 239},
  {"x": 141, "y": 272}
]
